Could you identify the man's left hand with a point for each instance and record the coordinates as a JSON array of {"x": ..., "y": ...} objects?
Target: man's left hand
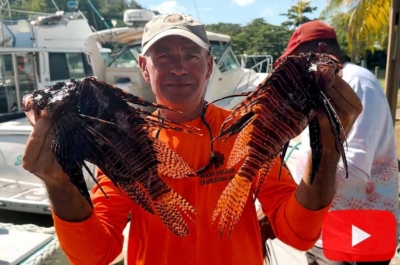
[{"x": 347, "y": 106}]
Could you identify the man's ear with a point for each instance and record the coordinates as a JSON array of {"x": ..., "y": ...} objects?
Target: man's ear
[
  {"x": 322, "y": 47},
  {"x": 210, "y": 64},
  {"x": 143, "y": 68}
]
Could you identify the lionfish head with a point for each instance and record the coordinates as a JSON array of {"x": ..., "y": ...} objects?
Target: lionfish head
[
  {"x": 323, "y": 62},
  {"x": 53, "y": 99}
]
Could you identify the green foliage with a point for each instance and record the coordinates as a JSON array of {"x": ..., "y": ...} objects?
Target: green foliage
[
  {"x": 295, "y": 14},
  {"x": 257, "y": 37}
]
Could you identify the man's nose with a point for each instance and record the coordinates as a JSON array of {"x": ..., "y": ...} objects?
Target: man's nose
[{"x": 179, "y": 67}]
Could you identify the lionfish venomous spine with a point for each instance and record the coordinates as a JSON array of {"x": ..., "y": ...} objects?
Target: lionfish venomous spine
[
  {"x": 278, "y": 110},
  {"x": 93, "y": 122}
]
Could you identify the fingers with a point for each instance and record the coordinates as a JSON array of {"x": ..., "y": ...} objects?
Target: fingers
[
  {"x": 348, "y": 94},
  {"x": 325, "y": 79},
  {"x": 38, "y": 144}
]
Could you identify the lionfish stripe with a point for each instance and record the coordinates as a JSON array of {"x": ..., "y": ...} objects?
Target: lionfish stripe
[
  {"x": 167, "y": 208},
  {"x": 262, "y": 175},
  {"x": 240, "y": 148},
  {"x": 172, "y": 165},
  {"x": 138, "y": 195}
]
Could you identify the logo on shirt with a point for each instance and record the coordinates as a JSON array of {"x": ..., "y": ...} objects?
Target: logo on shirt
[
  {"x": 359, "y": 235},
  {"x": 216, "y": 174}
]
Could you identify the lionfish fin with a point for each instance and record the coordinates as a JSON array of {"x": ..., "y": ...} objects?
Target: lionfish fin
[
  {"x": 236, "y": 127},
  {"x": 139, "y": 196},
  {"x": 94, "y": 179},
  {"x": 316, "y": 147},
  {"x": 171, "y": 164},
  {"x": 336, "y": 128},
  {"x": 282, "y": 158},
  {"x": 243, "y": 94},
  {"x": 62, "y": 150},
  {"x": 168, "y": 206},
  {"x": 129, "y": 97},
  {"x": 262, "y": 174},
  {"x": 244, "y": 107},
  {"x": 231, "y": 204},
  {"x": 240, "y": 148},
  {"x": 85, "y": 136},
  {"x": 174, "y": 127}
]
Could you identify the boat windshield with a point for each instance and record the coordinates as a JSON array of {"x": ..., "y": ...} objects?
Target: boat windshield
[{"x": 128, "y": 56}]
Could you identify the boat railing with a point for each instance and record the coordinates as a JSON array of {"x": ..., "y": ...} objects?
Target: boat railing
[{"x": 260, "y": 63}]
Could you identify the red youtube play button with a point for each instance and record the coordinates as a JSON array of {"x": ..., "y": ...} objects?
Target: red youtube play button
[{"x": 359, "y": 235}]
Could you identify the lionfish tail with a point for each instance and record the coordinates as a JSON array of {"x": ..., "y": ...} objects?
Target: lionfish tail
[
  {"x": 171, "y": 164},
  {"x": 168, "y": 206},
  {"x": 231, "y": 204},
  {"x": 138, "y": 195}
]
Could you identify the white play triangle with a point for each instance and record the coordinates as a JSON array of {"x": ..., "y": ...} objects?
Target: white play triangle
[{"x": 357, "y": 235}]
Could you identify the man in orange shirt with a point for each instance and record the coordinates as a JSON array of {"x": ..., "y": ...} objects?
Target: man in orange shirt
[{"x": 177, "y": 61}]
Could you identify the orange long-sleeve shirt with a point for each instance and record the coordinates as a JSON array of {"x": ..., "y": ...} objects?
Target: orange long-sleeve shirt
[{"x": 99, "y": 239}]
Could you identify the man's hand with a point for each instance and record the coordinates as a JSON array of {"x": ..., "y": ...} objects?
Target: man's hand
[
  {"x": 67, "y": 203},
  {"x": 348, "y": 107},
  {"x": 38, "y": 157}
]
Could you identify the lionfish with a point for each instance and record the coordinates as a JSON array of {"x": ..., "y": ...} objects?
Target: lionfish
[
  {"x": 93, "y": 122},
  {"x": 278, "y": 110}
]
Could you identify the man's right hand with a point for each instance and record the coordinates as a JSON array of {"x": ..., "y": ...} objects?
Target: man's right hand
[
  {"x": 40, "y": 161},
  {"x": 38, "y": 157}
]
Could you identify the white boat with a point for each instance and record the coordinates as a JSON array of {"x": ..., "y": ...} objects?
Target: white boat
[
  {"x": 228, "y": 77},
  {"x": 35, "y": 53}
]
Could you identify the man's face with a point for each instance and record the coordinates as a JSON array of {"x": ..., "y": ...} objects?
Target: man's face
[{"x": 177, "y": 70}]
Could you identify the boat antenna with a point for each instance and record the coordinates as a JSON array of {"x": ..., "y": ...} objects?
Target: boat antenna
[
  {"x": 54, "y": 3},
  {"x": 197, "y": 11}
]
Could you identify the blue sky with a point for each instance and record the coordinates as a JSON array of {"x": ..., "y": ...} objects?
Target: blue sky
[{"x": 229, "y": 11}]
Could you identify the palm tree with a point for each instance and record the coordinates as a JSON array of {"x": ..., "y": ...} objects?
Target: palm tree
[{"x": 367, "y": 22}]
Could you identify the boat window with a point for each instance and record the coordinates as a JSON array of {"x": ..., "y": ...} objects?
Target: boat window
[
  {"x": 127, "y": 57},
  {"x": 68, "y": 65},
  {"x": 25, "y": 76},
  {"x": 217, "y": 49},
  {"x": 228, "y": 62}
]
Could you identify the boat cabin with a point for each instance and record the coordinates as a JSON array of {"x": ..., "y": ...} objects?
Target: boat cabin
[
  {"x": 122, "y": 70},
  {"x": 39, "y": 51}
]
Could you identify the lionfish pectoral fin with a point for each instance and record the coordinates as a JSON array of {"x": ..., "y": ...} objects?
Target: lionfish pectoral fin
[
  {"x": 172, "y": 165},
  {"x": 316, "y": 147},
  {"x": 168, "y": 206},
  {"x": 336, "y": 128},
  {"x": 85, "y": 136},
  {"x": 240, "y": 148},
  {"x": 244, "y": 94},
  {"x": 174, "y": 126},
  {"x": 128, "y": 97},
  {"x": 231, "y": 204},
  {"x": 237, "y": 126},
  {"x": 282, "y": 158},
  {"x": 98, "y": 120},
  {"x": 65, "y": 157},
  {"x": 261, "y": 176},
  {"x": 94, "y": 179},
  {"x": 138, "y": 195}
]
